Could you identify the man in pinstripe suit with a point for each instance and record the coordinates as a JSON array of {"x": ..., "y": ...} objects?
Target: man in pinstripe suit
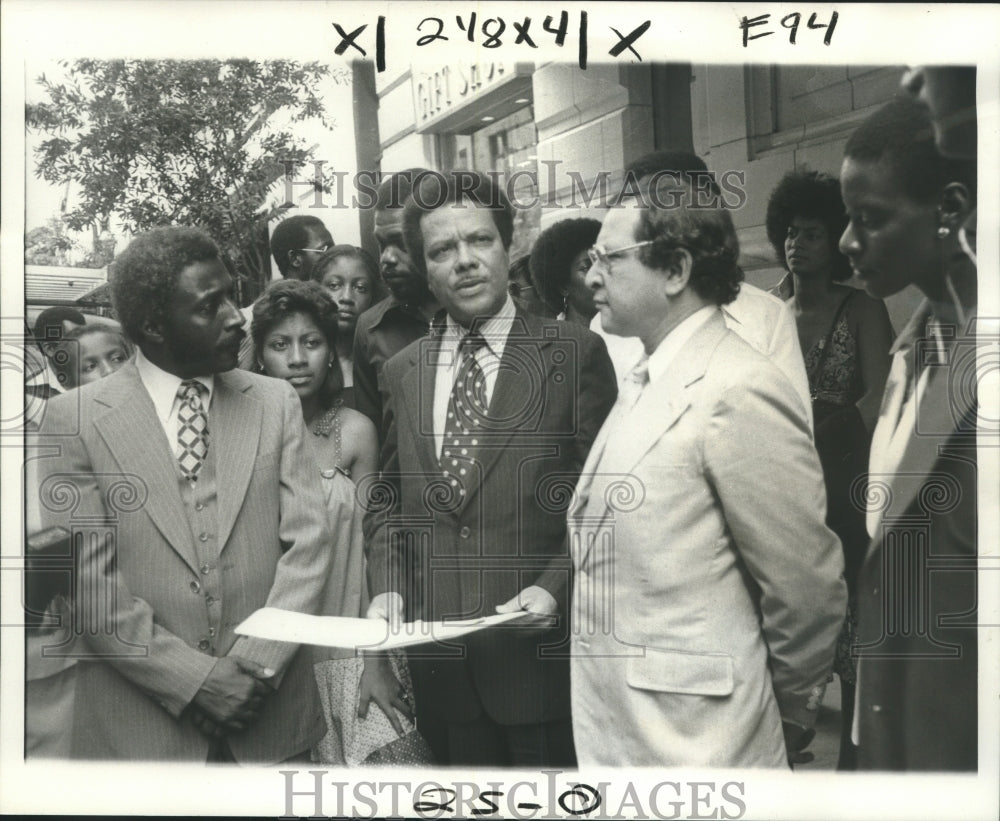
[{"x": 191, "y": 507}]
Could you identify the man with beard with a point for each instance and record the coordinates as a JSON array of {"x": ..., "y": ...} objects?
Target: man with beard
[
  {"x": 402, "y": 317},
  {"x": 192, "y": 502}
]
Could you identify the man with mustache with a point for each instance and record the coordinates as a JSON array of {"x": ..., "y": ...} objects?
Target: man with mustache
[
  {"x": 402, "y": 317},
  {"x": 706, "y": 607},
  {"x": 193, "y": 503},
  {"x": 487, "y": 423}
]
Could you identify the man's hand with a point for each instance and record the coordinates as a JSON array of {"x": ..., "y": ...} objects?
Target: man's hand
[
  {"x": 234, "y": 691},
  {"x": 796, "y": 740},
  {"x": 205, "y": 724},
  {"x": 379, "y": 684},
  {"x": 389, "y": 607},
  {"x": 535, "y": 600}
]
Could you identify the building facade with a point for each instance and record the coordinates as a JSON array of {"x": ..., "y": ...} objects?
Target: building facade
[{"x": 561, "y": 135}]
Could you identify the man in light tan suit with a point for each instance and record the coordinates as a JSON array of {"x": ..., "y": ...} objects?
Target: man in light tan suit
[
  {"x": 193, "y": 503},
  {"x": 709, "y": 592}
]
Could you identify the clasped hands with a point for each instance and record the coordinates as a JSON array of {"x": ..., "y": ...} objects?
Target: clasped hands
[{"x": 231, "y": 696}]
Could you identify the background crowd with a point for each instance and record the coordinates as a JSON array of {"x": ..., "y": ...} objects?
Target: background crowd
[{"x": 458, "y": 446}]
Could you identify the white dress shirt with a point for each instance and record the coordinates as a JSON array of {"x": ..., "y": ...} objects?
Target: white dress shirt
[
  {"x": 162, "y": 388},
  {"x": 897, "y": 419},
  {"x": 760, "y": 319},
  {"x": 495, "y": 331}
]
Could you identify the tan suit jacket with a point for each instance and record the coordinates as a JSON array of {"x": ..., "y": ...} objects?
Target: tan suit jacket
[
  {"x": 709, "y": 592},
  {"x": 153, "y": 617}
]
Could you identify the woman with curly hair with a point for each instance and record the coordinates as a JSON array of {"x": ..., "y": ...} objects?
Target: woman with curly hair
[
  {"x": 559, "y": 265},
  {"x": 294, "y": 329},
  {"x": 845, "y": 337}
]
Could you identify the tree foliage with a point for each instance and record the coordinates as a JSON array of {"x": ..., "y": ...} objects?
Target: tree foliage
[
  {"x": 196, "y": 142},
  {"x": 48, "y": 244}
]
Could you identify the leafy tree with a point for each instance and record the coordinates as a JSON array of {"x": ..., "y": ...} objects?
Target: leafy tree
[
  {"x": 48, "y": 244},
  {"x": 195, "y": 142}
]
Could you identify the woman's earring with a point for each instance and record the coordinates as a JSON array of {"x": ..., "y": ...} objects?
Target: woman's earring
[{"x": 943, "y": 231}]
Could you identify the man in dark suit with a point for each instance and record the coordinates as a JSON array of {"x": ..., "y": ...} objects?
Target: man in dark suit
[
  {"x": 402, "y": 317},
  {"x": 194, "y": 503},
  {"x": 487, "y": 424}
]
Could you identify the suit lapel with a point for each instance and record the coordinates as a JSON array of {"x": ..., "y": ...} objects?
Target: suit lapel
[
  {"x": 134, "y": 436},
  {"x": 939, "y": 411},
  {"x": 937, "y": 421},
  {"x": 512, "y": 410},
  {"x": 234, "y": 424},
  {"x": 418, "y": 383},
  {"x": 631, "y": 435}
]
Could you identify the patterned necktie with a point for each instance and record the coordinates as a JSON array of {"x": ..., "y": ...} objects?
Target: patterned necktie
[
  {"x": 468, "y": 410},
  {"x": 192, "y": 429}
]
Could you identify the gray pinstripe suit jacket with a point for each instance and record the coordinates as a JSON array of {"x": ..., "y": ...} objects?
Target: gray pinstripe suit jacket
[{"x": 150, "y": 633}]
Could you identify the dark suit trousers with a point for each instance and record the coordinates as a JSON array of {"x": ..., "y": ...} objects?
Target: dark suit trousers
[{"x": 484, "y": 743}]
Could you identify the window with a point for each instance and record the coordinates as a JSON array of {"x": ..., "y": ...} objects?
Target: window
[{"x": 798, "y": 104}]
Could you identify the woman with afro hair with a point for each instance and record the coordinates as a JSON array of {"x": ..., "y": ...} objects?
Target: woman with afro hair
[
  {"x": 559, "y": 265},
  {"x": 845, "y": 337}
]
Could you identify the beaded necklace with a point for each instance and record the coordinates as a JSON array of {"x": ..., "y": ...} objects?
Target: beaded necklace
[{"x": 330, "y": 421}]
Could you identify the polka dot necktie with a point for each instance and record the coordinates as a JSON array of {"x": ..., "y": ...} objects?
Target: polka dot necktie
[
  {"x": 192, "y": 429},
  {"x": 468, "y": 410}
]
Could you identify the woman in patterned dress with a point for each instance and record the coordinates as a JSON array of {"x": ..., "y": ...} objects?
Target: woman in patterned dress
[
  {"x": 845, "y": 337},
  {"x": 294, "y": 331}
]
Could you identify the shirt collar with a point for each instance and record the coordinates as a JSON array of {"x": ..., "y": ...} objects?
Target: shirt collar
[
  {"x": 162, "y": 386},
  {"x": 914, "y": 330},
  {"x": 666, "y": 352},
  {"x": 392, "y": 305},
  {"x": 494, "y": 329}
]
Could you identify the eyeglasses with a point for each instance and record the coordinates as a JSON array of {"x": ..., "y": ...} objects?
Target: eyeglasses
[
  {"x": 321, "y": 250},
  {"x": 517, "y": 289},
  {"x": 599, "y": 255}
]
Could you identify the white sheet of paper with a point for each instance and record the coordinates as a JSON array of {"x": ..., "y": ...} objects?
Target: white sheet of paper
[{"x": 335, "y": 631}]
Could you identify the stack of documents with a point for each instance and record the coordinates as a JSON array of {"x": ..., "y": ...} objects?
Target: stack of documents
[{"x": 366, "y": 634}]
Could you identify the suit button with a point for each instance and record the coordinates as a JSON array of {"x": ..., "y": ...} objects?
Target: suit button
[
  {"x": 203, "y": 645},
  {"x": 876, "y": 708},
  {"x": 195, "y": 587},
  {"x": 209, "y": 601},
  {"x": 205, "y": 569},
  {"x": 465, "y": 533},
  {"x": 199, "y": 506},
  {"x": 202, "y": 537}
]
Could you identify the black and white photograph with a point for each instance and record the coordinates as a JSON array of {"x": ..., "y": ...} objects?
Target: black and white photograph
[{"x": 500, "y": 410}]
